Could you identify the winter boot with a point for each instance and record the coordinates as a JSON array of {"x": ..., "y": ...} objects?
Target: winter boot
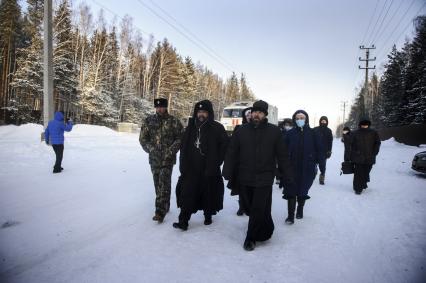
[
  {"x": 208, "y": 219},
  {"x": 299, "y": 210},
  {"x": 57, "y": 170},
  {"x": 181, "y": 225},
  {"x": 321, "y": 179},
  {"x": 249, "y": 245},
  {"x": 291, "y": 206},
  {"x": 158, "y": 217},
  {"x": 240, "y": 211}
]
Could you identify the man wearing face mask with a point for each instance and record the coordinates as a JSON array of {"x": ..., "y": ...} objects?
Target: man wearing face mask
[
  {"x": 327, "y": 140},
  {"x": 254, "y": 150},
  {"x": 234, "y": 183},
  {"x": 364, "y": 147},
  {"x": 160, "y": 138},
  {"x": 203, "y": 147},
  {"x": 306, "y": 150}
]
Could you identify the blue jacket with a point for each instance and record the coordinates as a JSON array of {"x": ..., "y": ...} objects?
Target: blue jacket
[
  {"x": 305, "y": 150},
  {"x": 54, "y": 133}
]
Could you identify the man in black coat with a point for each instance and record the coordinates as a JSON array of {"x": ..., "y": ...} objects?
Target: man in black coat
[
  {"x": 234, "y": 183},
  {"x": 326, "y": 137},
  {"x": 203, "y": 147},
  {"x": 255, "y": 149},
  {"x": 365, "y": 145}
]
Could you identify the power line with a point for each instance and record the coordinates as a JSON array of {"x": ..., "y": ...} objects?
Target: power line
[
  {"x": 191, "y": 33},
  {"x": 390, "y": 21},
  {"x": 118, "y": 16},
  {"x": 381, "y": 23},
  {"x": 377, "y": 21},
  {"x": 186, "y": 36},
  {"x": 371, "y": 19},
  {"x": 403, "y": 30}
]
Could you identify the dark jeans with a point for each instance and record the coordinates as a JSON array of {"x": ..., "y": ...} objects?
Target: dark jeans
[
  {"x": 257, "y": 202},
  {"x": 59, "y": 152},
  {"x": 322, "y": 166},
  {"x": 361, "y": 176}
]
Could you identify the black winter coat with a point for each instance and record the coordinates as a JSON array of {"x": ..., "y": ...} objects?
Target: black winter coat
[
  {"x": 255, "y": 151},
  {"x": 326, "y": 135},
  {"x": 347, "y": 139},
  {"x": 202, "y": 181},
  {"x": 365, "y": 145}
]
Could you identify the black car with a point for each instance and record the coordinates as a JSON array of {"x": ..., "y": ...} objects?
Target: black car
[{"x": 419, "y": 162}]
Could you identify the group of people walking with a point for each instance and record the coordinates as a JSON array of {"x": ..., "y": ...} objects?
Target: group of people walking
[{"x": 255, "y": 154}]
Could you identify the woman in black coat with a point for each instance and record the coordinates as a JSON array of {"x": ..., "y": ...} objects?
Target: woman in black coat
[
  {"x": 346, "y": 140},
  {"x": 306, "y": 151}
]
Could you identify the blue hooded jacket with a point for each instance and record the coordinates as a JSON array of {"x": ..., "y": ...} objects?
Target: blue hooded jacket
[
  {"x": 305, "y": 150},
  {"x": 54, "y": 133}
]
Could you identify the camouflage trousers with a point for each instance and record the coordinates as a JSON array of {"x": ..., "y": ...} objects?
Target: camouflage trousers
[{"x": 162, "y": 182}]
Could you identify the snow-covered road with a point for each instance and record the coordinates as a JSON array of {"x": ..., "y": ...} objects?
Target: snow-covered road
[{"x": 92, "y": 223}]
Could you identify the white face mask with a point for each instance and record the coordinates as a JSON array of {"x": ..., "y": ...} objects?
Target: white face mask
[
  {"x": 345, "y": 132},
  {"x": 288, "y": 128}
]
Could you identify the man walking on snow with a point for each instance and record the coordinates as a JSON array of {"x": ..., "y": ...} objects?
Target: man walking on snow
[
  {"x": 326, "y": 137},
  {"x": 160, "y": 137}
]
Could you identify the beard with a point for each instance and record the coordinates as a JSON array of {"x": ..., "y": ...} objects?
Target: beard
[{"x": 201, "y": 119}]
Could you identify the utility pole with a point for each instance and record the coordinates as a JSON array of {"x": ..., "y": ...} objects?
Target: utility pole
[
  {"x": 344, "y": 103},
  {"x": 48, "y": 107},
  {"x": 366, "y": 68}
]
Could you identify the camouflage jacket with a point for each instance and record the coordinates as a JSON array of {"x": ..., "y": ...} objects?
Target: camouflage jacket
[{"x": 161, "y": 137}]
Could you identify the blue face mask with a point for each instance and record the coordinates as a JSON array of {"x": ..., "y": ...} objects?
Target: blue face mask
[{"x": 300, "y": 123}]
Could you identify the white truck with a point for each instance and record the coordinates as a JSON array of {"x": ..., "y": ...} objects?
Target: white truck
[{"x": 232, "y": 114}]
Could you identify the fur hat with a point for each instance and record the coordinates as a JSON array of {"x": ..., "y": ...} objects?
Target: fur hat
[
  {"x": 261, "y": 106},
  {"x": 160, "y": 102}
]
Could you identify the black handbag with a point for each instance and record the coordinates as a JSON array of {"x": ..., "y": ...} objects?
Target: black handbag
[{"x": 347, "y": 168}]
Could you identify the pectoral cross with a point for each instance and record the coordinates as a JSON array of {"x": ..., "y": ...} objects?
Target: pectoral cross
[{"x": 197, "y": 143}]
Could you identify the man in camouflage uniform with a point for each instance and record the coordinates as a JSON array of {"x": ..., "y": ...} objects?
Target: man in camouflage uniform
[{"x": 160, "y": 137}]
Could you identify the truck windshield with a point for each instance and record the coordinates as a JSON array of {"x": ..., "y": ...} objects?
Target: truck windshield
[{"x": 232, "y": 113}]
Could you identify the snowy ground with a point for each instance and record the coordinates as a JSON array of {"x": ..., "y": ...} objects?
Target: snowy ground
[{"x": 92, "y": 223}]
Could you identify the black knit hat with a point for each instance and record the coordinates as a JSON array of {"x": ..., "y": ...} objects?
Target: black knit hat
[
  {"x": 261, "y": 106},
  {"x": 364, "y": 122},
  {"x": 160, "y": 102}
]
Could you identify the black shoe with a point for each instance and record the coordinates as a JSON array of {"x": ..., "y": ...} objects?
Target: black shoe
[
  {"x": 249, "y": 245},
  {"x": 57, "y": 171},
  {"x": 321, "y": 179},
  {"x": 182, "y": 226},
  {"x": 158, "y": 217},
  {"x": 299, "y": 209},
  {"x": 291, "y": 206},
  {"x": 208, "y": 220},
  {"x": 358, "y": 192},
  {"x": 240, "y": 211}
]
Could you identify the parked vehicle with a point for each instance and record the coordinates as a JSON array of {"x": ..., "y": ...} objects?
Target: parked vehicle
[
  {"x": 419, "y": 162},
  {"x": 232, "y": 114}
]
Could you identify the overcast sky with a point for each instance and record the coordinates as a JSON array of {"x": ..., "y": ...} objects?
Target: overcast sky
[{"x": 299, "y": 54}]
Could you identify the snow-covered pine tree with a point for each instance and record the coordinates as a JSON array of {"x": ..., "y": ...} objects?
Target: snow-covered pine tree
[
  {"x": 65, "y": 74},
  {"x": 392, "y": 89},
  {"x": 26, "y": 102},
  {"x": 11, "y": 37},
  {"x": 415, "y": 109}
]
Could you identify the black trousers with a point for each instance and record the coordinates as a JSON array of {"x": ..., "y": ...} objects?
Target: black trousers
[
  {"x": 59, "y": 152},
  {"x": 361, "y": 176},
  {"x": 257, "y": 202}
]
